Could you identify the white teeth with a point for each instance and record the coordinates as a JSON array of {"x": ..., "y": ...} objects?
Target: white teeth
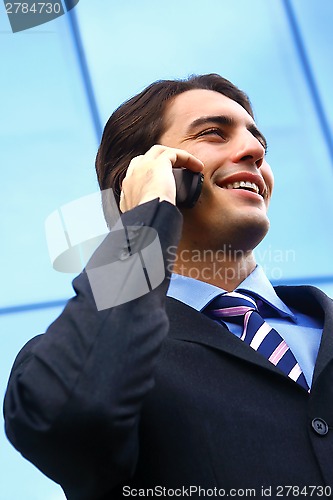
[
  {"x": 235, "y": 185},
  {"x": 244, "y": 184}
]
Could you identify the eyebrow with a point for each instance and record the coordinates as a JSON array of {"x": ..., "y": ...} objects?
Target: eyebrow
[{"x": 229, "y": 122}]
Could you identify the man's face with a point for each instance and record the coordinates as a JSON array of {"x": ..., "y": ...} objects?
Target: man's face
[{"x": 221, "y": 133}]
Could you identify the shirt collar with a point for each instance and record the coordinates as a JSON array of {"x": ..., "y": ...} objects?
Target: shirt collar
[{"x": 198, "y": 294}]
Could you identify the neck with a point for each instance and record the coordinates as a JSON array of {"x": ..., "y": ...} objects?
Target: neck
[{"x": 225, "y": 268}]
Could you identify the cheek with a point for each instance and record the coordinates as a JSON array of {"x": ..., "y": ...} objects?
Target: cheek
[{"x": 210, "y": 157}]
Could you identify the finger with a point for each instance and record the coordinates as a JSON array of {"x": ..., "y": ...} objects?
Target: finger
[
  {"x": 133, "y": 163},
  {"x": 122, "y": 202},
  {"x": 177, "y": 157},
  {"x": 181, "y": 158}
]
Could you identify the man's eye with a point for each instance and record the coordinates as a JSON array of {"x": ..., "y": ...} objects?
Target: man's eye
[{"x": 212, "y": 131}]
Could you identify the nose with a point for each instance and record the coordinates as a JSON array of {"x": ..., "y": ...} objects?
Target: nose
[{"x": 248, "y": 149}]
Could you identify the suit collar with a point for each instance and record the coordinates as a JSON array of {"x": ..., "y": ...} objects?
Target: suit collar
[{"x": 311, "y": 300}]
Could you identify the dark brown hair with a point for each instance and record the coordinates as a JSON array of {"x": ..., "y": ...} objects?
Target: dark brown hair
[{"x": 139, "y": 123}]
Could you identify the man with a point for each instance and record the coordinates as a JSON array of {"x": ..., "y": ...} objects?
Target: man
[{"x": 158, "y": 396}]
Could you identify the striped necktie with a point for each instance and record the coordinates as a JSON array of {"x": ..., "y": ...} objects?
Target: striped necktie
[{"x": 239, "y": 308}]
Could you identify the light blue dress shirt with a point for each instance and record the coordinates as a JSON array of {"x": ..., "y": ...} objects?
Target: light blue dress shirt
[{"x": 301, "y": 332}]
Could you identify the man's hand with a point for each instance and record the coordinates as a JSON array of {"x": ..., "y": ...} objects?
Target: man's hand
[{"x": 149, "y": 176}]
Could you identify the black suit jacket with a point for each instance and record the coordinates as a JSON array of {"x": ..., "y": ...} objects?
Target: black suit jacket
[{"x": 152, "y": 393}]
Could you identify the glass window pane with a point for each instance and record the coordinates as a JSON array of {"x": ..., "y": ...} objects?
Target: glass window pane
[{"x": 19, "y": 478}]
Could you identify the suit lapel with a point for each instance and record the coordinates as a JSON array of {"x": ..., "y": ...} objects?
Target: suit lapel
[
  {"x": 189, "y": 325},
  {"x": 311, "y": 300}
]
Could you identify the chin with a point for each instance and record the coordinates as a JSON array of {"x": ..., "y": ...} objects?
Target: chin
[
  {"x": 240, "y": 233},
  {"x": 247, "y": 236},
  {"x": 237, "y": 231}
]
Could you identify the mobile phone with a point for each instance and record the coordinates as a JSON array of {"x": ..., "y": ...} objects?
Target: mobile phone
[{"x": 188, "y": 187}]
